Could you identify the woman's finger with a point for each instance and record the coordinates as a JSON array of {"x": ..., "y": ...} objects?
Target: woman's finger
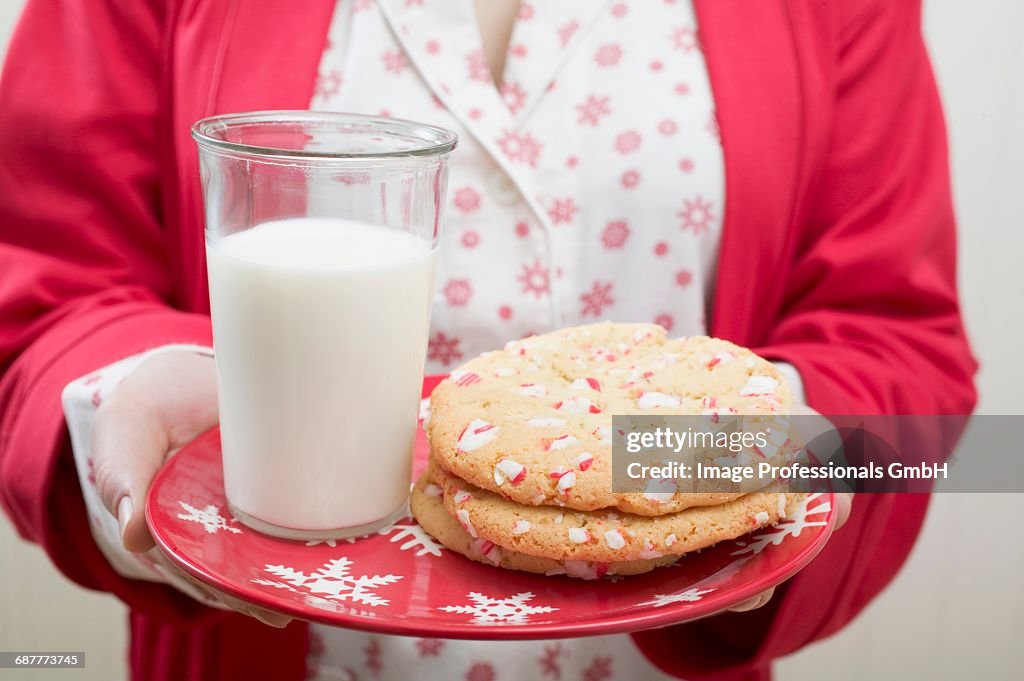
[{"x": 128, "y": 449}]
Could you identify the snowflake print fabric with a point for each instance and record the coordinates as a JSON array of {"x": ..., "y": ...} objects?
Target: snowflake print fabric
[{"x": 571, "y": 199}]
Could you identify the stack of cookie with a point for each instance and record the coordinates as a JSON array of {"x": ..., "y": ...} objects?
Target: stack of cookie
[{"x": 521, "y": 469}]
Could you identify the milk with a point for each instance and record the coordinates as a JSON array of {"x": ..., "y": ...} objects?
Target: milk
[{"x": 320, "y": 331}]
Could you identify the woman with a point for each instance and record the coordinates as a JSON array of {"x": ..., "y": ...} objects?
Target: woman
[{"x": 590, "y": 185}]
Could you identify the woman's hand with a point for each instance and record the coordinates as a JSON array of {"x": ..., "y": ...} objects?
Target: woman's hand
[
  {"x": 161, "y": 406},
  {"x": 815, "y": 426}
]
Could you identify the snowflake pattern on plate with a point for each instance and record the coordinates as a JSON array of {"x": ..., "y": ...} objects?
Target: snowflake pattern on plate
[
  {"x": 333, "y": 581},
  {"x": 209, "y": 517},
  {"x": 488, "y": 610},
  {"x": 689, "y": 596},
  {"x": 790, "y": 527}
]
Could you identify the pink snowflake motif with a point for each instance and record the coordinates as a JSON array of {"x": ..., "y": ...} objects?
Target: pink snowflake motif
[
  {"x": 599, "y": 670},
  {"x": 682, "y": 89},
  {"x": 615, "y": 234},
  {"x": 476, "y": 114},
  {"x": 470, "y": 239},
  {"x": 518, "y": 50},
  {"x": 565, "y": 33},
  {"x": 514, "y": 96},
  {"x": 593, "y": 109},
  {"x": 608, "y": 55},
  {"x": 686, "y": 165},
  {"x": 661, "y": 248},
  {"x": 481, "y": 671},
  {"x": 684, "y": 38},
  {"x": 668, "y": 127},
  {"x": 572, "y": 162},
  {"x": 478, "y": 68},
  {"x": 549, "y": 665},
  {"x": 327, "y": 84},
  {"x": 410, "y": 3},
  {"x": 535, "y": 279},
  {"x": 684, "y": 277},
  {"x": 628, "y": 142},
  {"x": 433, "y": 47},
  {"x": 441, "y": 348},
  {"x": 360, "y": 5},
  {"x": 562, "y": 210},
  {"x": 665, "y": 320},
  {"x": 522, "y": 229},
  {"x": 505, "y": 312},
  {"x": 597, "y": 299},
  {"x": 525, "y": 11},
  {"x": 630, "y": 179},
  {"x": 457, "y": 292},
  {"x": 619, "y": 10},
  {"x": 91, "y": 477},
  {"x": 429, "y": 647},
  {"x": 373, "y": 661},
  {"x": 696, "y": 215},
  {"x": 520, "y": 148},
  {"x": 394, "y": 61},
  {"x": 466, "y": 199},
  {"x": 656, "y": 65}
]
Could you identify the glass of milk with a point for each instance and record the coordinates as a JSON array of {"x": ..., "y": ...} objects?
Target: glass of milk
[{"x": 321, "y": 236}]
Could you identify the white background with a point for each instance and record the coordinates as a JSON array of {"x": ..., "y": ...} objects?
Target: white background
[{"x": 957, "y": 609}]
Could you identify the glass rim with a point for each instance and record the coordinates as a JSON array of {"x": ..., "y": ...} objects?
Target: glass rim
[{"x": 435, "y": 140}]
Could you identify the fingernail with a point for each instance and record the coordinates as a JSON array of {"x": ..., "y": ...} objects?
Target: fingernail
[{"x": 124, "y": 514}]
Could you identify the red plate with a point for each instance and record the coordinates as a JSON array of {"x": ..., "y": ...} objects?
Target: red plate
[{"x": 400, "y": 581}]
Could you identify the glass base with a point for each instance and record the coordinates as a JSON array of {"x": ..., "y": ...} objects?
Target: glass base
[{"x": 272, "y": 530}]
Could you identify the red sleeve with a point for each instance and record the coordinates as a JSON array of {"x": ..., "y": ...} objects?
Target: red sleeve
[
  {"x": 83, "y": 280},
  {"x": 871, "y": 320}
]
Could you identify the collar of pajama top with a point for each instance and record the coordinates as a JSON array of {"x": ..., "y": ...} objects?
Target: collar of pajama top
[{"x": 589, "y": 188}]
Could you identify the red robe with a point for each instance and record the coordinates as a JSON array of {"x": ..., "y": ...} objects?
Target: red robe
[{"x": 838, "y": 256}]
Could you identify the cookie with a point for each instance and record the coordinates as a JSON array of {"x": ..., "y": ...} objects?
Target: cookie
[
  {"x": 533, "y": 422},
  {"x": 606, "y": 536},
  {"x": 428, "y": 509}
]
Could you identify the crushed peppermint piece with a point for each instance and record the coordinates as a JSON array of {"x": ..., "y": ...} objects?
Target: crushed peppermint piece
[
  {"x": 584, "y": 461},
  {"x": 653, "y": 400},
  {"x": 614, "y": 539},
  {"x": 577, "y": 535},
  {"x": 762, "y": 518},
  {"x": 641, "y": 334},
  {"x": 782, "y": 505},
  {"x": 464, "y": 378},
  {"x": 521, "y": 527},
  {"x": 546, "y": 423},
  {"x": 432, "y": 490},
  {"x": 566, "y": 481},
  {"x": 531, "y": 390},
  {"x": 477, "y": 434},
  {"x": 660, "y": 490},
  {"x": 759, "y": 385},
  {"x": 603, "y": 434},
  {"x": 504, "y": 371},
  {"x": 462, "y": 496},
  {"x": 489, "y": 551},
  {"x": 559, "y": 517},
  {"x": 509, "y": 470},
  {"x": 560, "y": 442},
  {"x": 577, "y": 405},
  {"x": 670, "y": 540},
  {"x": 463, "y": 517}
]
